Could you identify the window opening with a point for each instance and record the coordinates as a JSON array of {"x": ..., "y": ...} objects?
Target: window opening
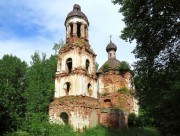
[
  {"x": 65, "y": 118},
  {"x": 89, "y": 87},
  {"x": 79, "y": 30},
  {"x": 107, "y": 103},
  {"x": 87, "y": 64},
  {"x": 69, "y": 64},
  {"x": 110, "y": 54},
  {"x": 71, "y": 31},
  {"x": 67, "y": 88}
]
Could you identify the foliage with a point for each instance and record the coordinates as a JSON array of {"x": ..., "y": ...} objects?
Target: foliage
[
  {"x": 134, "y": 120},
  {"x": 40, "y": 83},
  {"x": 126, "y": 90},
  {"x": 97, "y": 66},
  {"x": 57, "y": 130},
  {"x": 105, "y": 94},
  {"x": 154, "y": 26},
  {"x": 124, "y": 67},
  {"x": 145, "y": 118},
  {"x": 106, "y": 68},
  {"x": 103, "y": 131},
  {"x": 37, "y": 125},
  {"x": 12, "y": 85},
  {"x": 58, "y": 46}
]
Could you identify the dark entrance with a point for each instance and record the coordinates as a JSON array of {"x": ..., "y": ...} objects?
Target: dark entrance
[{"x": 65, "y": 118}]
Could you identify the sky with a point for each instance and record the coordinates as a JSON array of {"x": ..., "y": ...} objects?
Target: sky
[{"x": 27, "y": 26}]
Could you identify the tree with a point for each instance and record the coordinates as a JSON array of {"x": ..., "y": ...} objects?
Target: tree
[
  {"x": 12, "y": 86},
  {"x": 97, "y": 66},
  {"x": 58, "y": 46},
  {"x": 40, "y": 83},
  {"x": 155, "y": 25}
]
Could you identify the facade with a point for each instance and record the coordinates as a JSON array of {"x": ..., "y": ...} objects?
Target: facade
[{"x": 79, "y": 98}]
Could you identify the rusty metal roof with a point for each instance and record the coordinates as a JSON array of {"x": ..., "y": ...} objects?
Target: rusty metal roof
[
  {"x": 77, "y": 12},
  {"x": 113, "y": 64}
]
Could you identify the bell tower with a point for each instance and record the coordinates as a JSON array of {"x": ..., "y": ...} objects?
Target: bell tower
[
  {"x": 76, "y": 68},
  {"x": 76, "y": 25},
  {"x": 75, "y": 100}
]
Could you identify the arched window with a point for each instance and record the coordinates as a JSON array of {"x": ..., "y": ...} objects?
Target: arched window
[
  {"x": 89, "y": 89},
  {"x": 65, "y": 118},
  {"x": 79, "y": 30},
  {"x": 71, "y": 30},
  {"x": 67, "y": 86},
  {"x": 87, "y": 64},
  {"x": 107, "y": 103},
  {"x": 69, "y": 64}
]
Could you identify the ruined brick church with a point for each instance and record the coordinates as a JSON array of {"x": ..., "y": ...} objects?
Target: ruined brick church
[{"x": 85, "y": 97}]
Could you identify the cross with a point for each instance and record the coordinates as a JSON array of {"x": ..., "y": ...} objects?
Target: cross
[{"x": 110, "y": 37}]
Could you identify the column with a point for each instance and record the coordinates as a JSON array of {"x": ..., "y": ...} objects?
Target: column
[
  {"x": 86, "y": 33},
  {"x": 74, "y": 29},
  {"x": 82, "y": 30},
  {"x": 68, "y": 31}
]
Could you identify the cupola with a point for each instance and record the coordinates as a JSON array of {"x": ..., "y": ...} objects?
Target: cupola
[
  {"x": 111, "y": 50},
  {"x": 76, "y": 24}
]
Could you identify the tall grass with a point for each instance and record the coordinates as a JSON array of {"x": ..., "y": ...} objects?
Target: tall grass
[{"x": 56, "y": 130}]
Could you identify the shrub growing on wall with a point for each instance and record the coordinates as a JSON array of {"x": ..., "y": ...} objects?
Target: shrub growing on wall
[
  {"x": 105, "y": 68},
  {"x": 124, "y": 67}
]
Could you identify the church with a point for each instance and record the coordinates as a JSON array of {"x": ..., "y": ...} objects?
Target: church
[{"x": 84, "y": 96}]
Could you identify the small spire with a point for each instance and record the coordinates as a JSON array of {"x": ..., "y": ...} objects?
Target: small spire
[{"x": 110, "y": 37}]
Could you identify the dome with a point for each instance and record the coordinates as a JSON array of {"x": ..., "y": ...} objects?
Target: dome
[
  {"x": 113, "y": 64},
  {"x": 111, "y": 46},
  {"x": 77, "y": 12}
]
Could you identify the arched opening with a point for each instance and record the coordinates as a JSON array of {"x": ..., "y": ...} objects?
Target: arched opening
[
  {"x": 67, "y": 86},
  {"x": 107, "y": 103},
  {"x": 65, "y": 118},
  {"x": 71, "y": 30},
  {"x": 87, "y": 64},
  {"x": 79, "y": 30},
  {"x": 89, "y": 88},
  {"x": 110, "y": 54},
  {"x": 69, "y": 64}
]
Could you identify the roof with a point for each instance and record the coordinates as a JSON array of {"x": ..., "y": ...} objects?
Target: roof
[
  {"x": 77, "y": 12},
  {"x": 113, "y": 63},
  {"x": 111, "y": 46}
]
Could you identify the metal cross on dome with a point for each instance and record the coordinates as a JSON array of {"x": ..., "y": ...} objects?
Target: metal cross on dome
[{"x": 110, "y": 36}]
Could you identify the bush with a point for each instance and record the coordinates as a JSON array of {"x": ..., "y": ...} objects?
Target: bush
[
  {"x": 124, "y": 67},
  {"x": 106, "y": 68},
  {"x": 134, "y": 120},
  {"x": 125, "y": 90}
]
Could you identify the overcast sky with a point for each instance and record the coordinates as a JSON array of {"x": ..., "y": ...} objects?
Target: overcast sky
[{"x": 27, "y": 26}]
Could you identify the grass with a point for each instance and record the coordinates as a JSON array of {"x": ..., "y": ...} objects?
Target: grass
[
  {"x": 103, "y": 131},
  {"x": 56, "y": 130}
]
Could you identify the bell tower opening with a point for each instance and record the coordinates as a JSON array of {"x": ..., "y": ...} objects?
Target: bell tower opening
[
  {"x": 71, "y": 30},
  {"x": 79, "y": 30}
]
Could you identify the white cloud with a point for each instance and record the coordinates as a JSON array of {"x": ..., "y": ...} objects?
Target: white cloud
[{"x": 50, "y": 15}]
